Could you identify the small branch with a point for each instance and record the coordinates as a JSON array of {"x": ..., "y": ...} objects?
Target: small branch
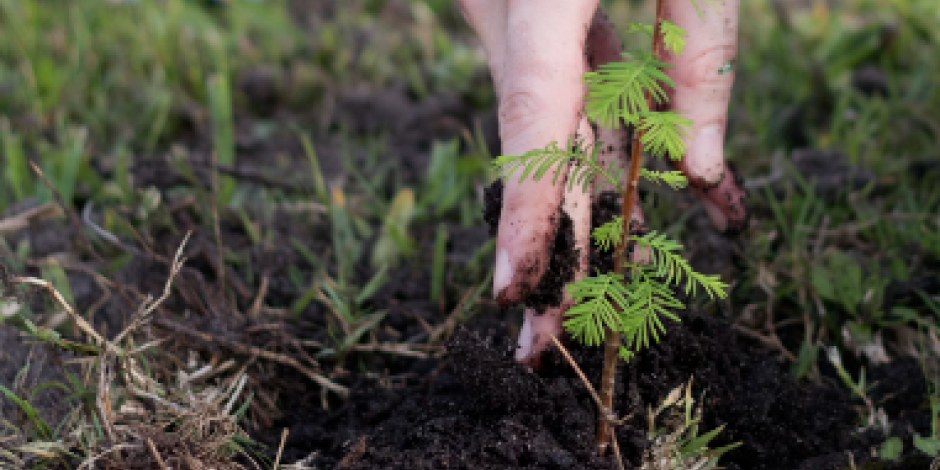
[
  {"x": 280, "y": 449},
  {"x": 605, "y": 413},
  {"x": 156, "y": 455},
  {"x": 253, "y": 351},
  {"x": 76, "y": 224}
]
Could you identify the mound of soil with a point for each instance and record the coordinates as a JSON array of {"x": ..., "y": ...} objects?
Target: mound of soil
[
  {"x": 481, "y": 410},
  {"x": 477, "y": 409}
]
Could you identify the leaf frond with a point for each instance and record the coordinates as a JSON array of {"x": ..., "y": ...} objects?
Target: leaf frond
[
  {"x": 534, "y": 164},
  {"x": 617, "y": 90},
  {"x": 650, "y": 299},
  {"x": 673, "y": 37},
  {"x": 665, "y": 132},
  {"x": 598, "y": 302},
  {"x": 610, "y": 234},
  {"x": 674, "y": 179},
  {"x": 671, "y": 266}
]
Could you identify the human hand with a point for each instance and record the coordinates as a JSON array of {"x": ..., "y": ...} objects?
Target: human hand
[{"x": 538, "y": 51}]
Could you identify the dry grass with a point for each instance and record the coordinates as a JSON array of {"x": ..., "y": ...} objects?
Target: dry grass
[{"x": 134, "y": 421}]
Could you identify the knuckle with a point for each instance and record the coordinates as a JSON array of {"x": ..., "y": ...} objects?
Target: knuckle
[{"x": 519, "y": 110}]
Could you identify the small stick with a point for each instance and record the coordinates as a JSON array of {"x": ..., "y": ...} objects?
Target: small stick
[
  {"x": 259, "y": 298},
  {"x": 156, "y": 455},
  {"x": 280, "y": 449},
  {"x": 73, "y": 218},
  {"x": 253, "y": 351},
  {"x": 606, "y": 413}
]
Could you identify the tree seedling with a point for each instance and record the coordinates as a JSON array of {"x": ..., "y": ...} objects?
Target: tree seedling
[{"x": 622, "y": 309}]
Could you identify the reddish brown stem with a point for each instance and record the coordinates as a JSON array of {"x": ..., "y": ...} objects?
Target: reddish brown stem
[{"x": 612, "y": 342}]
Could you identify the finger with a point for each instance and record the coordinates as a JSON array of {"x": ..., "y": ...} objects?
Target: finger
[
  {"x": 603, "y": 46},
  {"x": 488, "y": 20},
  {"x": 704, "y": 76},
  {"x": 540, "y": 102},
  {"x": 536, "y": 334},
  {"x": 539, "y": 327}
]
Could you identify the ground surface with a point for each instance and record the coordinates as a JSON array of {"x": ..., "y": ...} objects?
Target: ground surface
[{"x": 280, "y": 271}]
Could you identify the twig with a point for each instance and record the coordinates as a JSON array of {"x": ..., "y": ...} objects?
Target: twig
[
  {"x": 23, "y": 219},
  {"x": 65, "y": 305},
  {"x": 401, "y": 349},
  {"x": 280, "y": 449},
  {"x": 73, "y": 218},
  {"x": 259, "y": 299},
  {"x": 613, "y": 442},
  {"x": 156, "y": 455},
  {"x": 606, "y": 413},
  {"x": 253, "y": 351},
  {"x": 147, "y": 307},
  {"x": 452, "y": 319},
  {"x": 101, "y": 232}
]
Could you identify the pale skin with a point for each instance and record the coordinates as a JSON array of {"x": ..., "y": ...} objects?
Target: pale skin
[{"x": 538, "y": 51}]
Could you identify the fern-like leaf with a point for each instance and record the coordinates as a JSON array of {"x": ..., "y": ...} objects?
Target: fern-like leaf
[
  {"x": 674, "y": 268},
  {"x": 673, "y": 37},
  {"x": 649, "y": 300},
  {"x": 644, "y": 28},
  {"x": 610, "y": 234},
  {"x": 591, "y": 167},
  {"x": 664, "y": 133},
  {"x": 599, "y": 300},
  {"x": 675, "y": 179},
  {"x": 535, "y": 163},
  {"x": 618, "y": 89}
]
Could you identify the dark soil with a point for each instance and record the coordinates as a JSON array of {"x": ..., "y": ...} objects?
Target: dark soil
[
  {"x": 480, "y": 410},
  {"x": 477, "y": 409}
]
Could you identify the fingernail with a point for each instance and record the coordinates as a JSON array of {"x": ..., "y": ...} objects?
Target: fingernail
[
  {"x": 717, "y": 216},
  {"x": 705, "y": 157},
  {"x": 502, "y": 275},
  {"x": 524, "y": 345}
]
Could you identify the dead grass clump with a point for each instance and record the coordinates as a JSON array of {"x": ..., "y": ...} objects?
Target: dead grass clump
[{"x": 126, "y": 418}]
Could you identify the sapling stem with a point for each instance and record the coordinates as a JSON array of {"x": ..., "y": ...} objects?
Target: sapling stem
[
  {"x": 612, "y": 340},
  {"x": 622, "y": 309}
]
